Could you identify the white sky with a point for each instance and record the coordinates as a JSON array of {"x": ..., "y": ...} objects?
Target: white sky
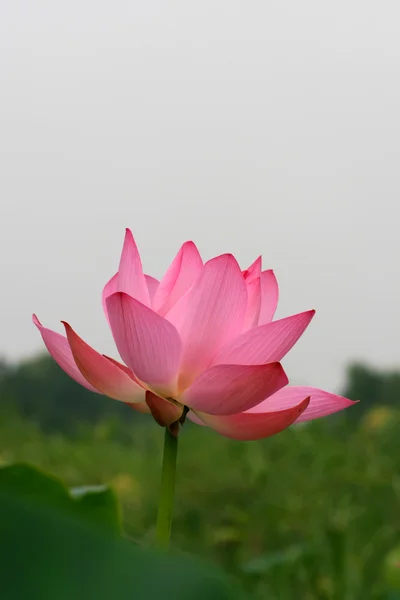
[{"x": 262, "y": 127}]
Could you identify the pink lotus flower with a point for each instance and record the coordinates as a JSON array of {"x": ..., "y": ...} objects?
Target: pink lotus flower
[{"x": 201, "y": 342}]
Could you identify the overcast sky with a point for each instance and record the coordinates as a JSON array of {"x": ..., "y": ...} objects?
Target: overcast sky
[{"x": 252, "y": 127}]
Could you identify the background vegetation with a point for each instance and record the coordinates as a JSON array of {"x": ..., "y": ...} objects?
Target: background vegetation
[{"x": 312, "y": 513}]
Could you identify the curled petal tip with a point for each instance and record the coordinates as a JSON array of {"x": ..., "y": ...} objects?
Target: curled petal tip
[
  {"x": 118, "y": 295},
  {"x": 303, "y": 405},
  {"x": 67, "y": 326}
]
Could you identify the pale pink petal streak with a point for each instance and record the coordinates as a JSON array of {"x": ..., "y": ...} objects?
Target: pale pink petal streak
[
  {"x": 147, "y": 343},
  {"x": 209, "y": 315},
  {"x": 130, "y": 276},
  {"x": 102, "y": 373},
  {"x": 253, "y": 304},
  {"x": 152, "y": 286},
  {"x": 250, "y": 426},
  {"x": 321, "y": 403},
  {"x": 195, "y": 419},
  {"x": 182, "y": 273},
  {"x": 229, "y": 389},
  {"x": 110, "y": 288},
  {"x": 266, "y": 343},
  {"x": 269, "y": 297},
  {"x": 58, "y": 347}
]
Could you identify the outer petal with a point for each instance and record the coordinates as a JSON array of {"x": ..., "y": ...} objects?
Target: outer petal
[
  {"x": 102, "y": 373},
  {"x": 266, "y": 343},
  {"x": 253, "y": 304},
  {"x": 183, "y": 272},
  {"x": 147, "y": 343},
  {"x": 253, "y": 426},
  {"x": 269, "y": 297},
  {"x": 321, "y": 403},
  {"x": 209, "y": 315},
  {"x": 254, "y": 271},
  {"x": 130, "y": 277},
  {"x": 58, "y": 347},
  {"x": 230, "y": 389},
  {"x": 163, "y": 411}
]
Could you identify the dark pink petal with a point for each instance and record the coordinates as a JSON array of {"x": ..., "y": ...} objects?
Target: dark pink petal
[
  {"x": 266, "y": 343},
  {"x": 253, "y": 304},
  {"x": 147, "y": 343},
  {"x": 209, "y": 315},
  {"x": 130, "y": 276},
  {"x": 152, "y": 286},
  {"x": 321, "y": 403},
  {"x": 254, "y": 271},
  {"x": 163, "y": 411},
  {"x": 269, "y": 297},
  {"x": 102, "y": 373},
  {"x": 230, "y": 389},
  {"x": 138, "y": 406},
  {"x": 182, "y": 273},
  {"x": 254, "y": 426},
  {"x": 123, "y": 367},
  {"x": 58, "y": 347}
]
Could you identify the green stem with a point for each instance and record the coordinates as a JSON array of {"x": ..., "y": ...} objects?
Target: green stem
[{"x": 167, "y": 492}]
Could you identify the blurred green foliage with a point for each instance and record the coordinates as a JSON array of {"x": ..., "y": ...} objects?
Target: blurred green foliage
[
  {"x": 41, "y": 391},
  {"x": 51, "y": 548},
  {"x": 96, "y": 504},
  {"x": 312, "y": 513},
  {"x": 374, "y": 387}
]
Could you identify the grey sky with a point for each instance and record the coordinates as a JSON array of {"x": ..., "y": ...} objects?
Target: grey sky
[{"x": 262, "y": 127}]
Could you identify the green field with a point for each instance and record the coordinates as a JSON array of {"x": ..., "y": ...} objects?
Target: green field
[{"x": 310, "y": 513}]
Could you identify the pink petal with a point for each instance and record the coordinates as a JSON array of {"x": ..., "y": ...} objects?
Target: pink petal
[
  {"x": 130, "y": 277},
  {"x": 123, "y": 367},
  {"x": 254, "y": 271},
  {"x": 182, "y": 273},
  {"x": 269, "y": 297},
  {"x": 209, "y": 315},
  {"x": 58, "y": 347},
  {"x": 253, "y": 304},
  {"x": 230, "y": 389},
  {"x": 266, "y": 343},
  {"x": 102, "y": 373},
  {"x": 152, "y": 286},
  {"x": 254, "y": 426},
  {"x": 139, "y": 406},
  {"x": 321, "y": 403},
  {"x": 163, "y": 411},
  {"x": 195, "y": 419},
  {"x": 112, "y": 286},
  {"x": 147, "y": 343}
]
